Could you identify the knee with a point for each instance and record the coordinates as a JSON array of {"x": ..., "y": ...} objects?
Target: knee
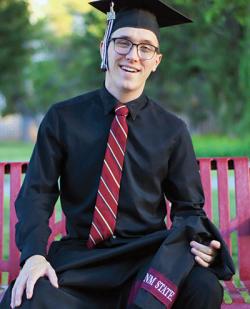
[
  {"x": 203, "y": 284},
  {"x": 6, "y": 300}
]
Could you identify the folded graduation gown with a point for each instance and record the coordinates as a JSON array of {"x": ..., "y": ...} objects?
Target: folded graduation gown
[{"x": 157, "y": 286}]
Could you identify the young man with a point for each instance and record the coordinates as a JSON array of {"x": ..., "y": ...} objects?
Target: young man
[{"x": 118, "y": 154}]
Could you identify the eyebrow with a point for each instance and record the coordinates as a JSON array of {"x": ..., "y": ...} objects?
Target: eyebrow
[{"x": 143, "y": 41}]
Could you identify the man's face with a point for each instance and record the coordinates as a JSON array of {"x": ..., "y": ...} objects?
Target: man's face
[{"x": 128, "y": 73}]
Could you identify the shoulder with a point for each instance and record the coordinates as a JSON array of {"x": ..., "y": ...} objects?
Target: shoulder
[
  {"x": 71, "y": 109},
  {"x": 61, "y": 113},
  {"x": 76, "y": 102},
  {"x": 174, "y": 128},
  {"x": 166, "y": 118}
]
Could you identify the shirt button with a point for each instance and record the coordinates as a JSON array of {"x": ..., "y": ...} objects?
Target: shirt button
[{"x": 113, "y": 236}]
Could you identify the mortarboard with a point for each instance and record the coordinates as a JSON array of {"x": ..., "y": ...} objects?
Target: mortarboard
[{"x": 146, "y": 14}]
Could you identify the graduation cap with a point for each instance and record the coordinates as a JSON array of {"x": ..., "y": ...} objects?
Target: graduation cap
[{"x": 147, "y": 14}]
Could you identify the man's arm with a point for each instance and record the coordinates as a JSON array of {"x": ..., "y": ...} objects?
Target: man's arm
[
  {"x": 34, "y": 206},
  {"x": 184, "y": 190},
  {"x": 40, "y": 191}
]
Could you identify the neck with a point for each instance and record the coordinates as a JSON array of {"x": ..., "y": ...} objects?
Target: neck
[{"x": 123, "y": 96}]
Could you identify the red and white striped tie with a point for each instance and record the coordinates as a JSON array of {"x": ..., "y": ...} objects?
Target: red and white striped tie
[{"x": 104, "y": 218}]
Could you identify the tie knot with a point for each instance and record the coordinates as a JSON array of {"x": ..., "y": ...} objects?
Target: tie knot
[{"x": 121, "y": 110}]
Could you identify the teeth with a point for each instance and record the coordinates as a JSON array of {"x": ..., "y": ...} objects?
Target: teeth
[{"x": 129, "y": 69}]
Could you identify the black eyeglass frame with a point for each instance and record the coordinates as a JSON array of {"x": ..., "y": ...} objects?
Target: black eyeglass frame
[{"x": 157, "y": 49}]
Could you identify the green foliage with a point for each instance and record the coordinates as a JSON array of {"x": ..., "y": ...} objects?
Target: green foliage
[
  {"x": 67, "y": 66},
  {"x": 15, "y": 33},
  {"x": 200, "y": 75},
  {"x": 244, "y": 80},
  {"x": 84, "y": 70},
  {"x": 204, "y": 75}
]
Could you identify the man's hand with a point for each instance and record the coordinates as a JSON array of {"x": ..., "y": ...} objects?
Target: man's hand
[
  {"x": 205, "y": 255},
  {"x": 35, "y": 267}
]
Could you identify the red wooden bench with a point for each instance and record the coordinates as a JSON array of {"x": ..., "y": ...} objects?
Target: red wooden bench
[{"x": 226, "y": 183}]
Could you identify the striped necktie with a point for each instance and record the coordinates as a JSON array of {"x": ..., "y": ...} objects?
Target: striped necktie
[{"x": 104, "y": 218}]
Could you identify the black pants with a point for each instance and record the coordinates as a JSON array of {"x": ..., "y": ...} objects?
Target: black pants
[{"x": 200, "y": 290}]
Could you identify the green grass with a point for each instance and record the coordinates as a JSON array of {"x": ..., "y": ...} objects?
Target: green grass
[
  {"x": 221, "y": 146},
  {"x": 205, "y": 146},
  {"x": 15, "y": 151}
]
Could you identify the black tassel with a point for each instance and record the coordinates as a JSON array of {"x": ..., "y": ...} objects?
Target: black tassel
[{"x": 110, "y": 19}]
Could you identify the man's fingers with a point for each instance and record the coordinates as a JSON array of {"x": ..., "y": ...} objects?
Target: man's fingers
[
  {"x": 202, "y": 248},
  {"x": 13, "y": 293},
  {"x": 201, "y": 262},
  {"x": 18, "y": 292},
  {"x": 35, "y": 267},
  {"x": 205, "y": 257},
  {"x": 215, "y": 244},
  {"x": 51, "y": 274},
  {"x": 30, "y": 285}
]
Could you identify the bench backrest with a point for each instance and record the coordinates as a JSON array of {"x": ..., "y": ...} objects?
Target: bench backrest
[{"x": 227, "y": 192}]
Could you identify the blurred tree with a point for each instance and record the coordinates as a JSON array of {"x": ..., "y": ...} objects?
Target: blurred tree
[
  {"x": 244, "y": 72},
  {"x": 15, "y": 32},
  {"x": 87, "y": 65},
  {"x": 200, "y": 75},
  {"x": 67, "y": 65},
  {"x": 65, "y": 15},
  {"x": 204, "y": 75}
]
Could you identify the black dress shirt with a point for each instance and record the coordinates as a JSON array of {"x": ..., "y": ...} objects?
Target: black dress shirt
[{"x": 67, "y": 162}]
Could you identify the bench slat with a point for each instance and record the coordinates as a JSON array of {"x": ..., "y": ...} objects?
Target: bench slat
[
  {"x": 223, "y": 199},
  {"x": 15, "y": 183},
  {"x": 2, "y": 264},
  {"x": 242, "y": 193},
  {"x": 206, "y": 178}
]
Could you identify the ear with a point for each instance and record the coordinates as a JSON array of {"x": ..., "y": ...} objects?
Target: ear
[{"x": 157, "y": 62}]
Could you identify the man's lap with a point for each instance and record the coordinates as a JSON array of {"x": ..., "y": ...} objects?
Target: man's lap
[{"x": 201, "y": 289}]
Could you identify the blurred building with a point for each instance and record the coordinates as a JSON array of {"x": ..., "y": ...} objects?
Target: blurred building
[{"x": 16, "y": 127}]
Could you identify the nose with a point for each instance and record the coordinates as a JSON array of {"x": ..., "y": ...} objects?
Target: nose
[{"x": 133, "y": 53}]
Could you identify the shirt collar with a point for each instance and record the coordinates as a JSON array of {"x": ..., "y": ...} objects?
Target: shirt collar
[{"x": 109, "y": 101}]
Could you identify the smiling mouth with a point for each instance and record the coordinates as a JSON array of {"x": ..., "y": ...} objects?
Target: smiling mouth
[{"x": 129, "y": 69}]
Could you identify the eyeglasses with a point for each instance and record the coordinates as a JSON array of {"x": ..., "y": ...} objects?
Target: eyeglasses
[{"x": 145, "y": 51}]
